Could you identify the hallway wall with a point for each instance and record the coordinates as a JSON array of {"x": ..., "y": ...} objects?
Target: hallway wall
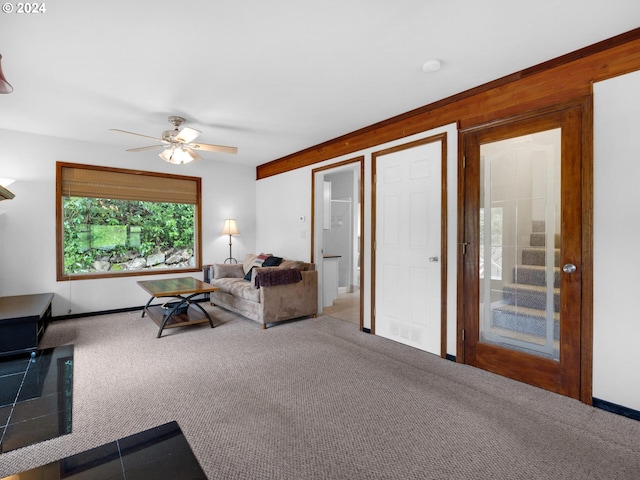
[{"x": 616, "y": 223}]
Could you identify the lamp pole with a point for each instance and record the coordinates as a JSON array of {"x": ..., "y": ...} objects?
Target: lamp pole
[{"x": 230, "y": 229}]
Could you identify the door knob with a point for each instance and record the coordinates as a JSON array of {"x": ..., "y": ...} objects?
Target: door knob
[
  {"x": 434, "y": 259},
  {"x": 569, "y": 268}
]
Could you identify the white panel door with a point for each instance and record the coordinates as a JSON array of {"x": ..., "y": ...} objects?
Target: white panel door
[{"x": 408, "y": 246}]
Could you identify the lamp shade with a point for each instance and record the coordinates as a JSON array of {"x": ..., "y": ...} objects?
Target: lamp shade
[{"x": 230, "y": 227}]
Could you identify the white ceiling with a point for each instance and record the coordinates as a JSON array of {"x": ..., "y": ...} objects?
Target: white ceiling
[{"x": 271, "y": 77}]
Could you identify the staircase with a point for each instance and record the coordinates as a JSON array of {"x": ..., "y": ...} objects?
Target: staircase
[{"x": 521, "y": 314}]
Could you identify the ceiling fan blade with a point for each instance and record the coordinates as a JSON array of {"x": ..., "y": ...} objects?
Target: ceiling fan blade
[
  {"x": 137, "y": 134},
  {"x": 193, "y": 154},
  {"x": 187, "y": 135},
  {"x": 141, "y": 149},
  {"x": 213, "y": 148}
]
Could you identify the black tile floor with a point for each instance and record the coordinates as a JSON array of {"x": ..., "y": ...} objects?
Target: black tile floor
[
  {"x": 36, "y": 396},
  {"x": 159, "y": 453},
  {"x": 36, "y": 399}
]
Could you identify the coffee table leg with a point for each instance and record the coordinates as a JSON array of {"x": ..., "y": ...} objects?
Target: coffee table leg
[
  {"x": 144, "y": 310},
  {"x": 173, "y": 310},
  {"x": 205, "y": 312}
]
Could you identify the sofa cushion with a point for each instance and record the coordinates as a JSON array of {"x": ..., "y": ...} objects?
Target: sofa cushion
[
  {"x": 223, "y": 270},
  {"x": 238, "y": 287}
]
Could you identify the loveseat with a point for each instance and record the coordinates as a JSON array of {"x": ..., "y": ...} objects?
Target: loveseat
[{"x": 266, "y": 288}]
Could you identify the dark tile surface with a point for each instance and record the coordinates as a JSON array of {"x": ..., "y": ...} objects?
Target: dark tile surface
[
  {"x": 159, "y": 453},
  {"x": 36, "y": 396}
]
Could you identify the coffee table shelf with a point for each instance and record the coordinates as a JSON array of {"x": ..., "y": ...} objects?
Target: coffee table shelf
[{"x": 191, "y": 317}]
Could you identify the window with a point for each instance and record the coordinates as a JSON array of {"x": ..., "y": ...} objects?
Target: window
[{"x": 113, "y": 222}]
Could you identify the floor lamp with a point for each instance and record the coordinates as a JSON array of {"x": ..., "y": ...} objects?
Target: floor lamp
[{"x": 230, "y": 228}]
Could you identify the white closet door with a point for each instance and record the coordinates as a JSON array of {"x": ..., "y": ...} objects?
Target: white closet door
[{"x": 408, "y": 246}]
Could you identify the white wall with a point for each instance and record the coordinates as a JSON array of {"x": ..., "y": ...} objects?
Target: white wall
[
  {"x": 282, "y": 199},
  {"x": 616, "y": 223},
  {"x": 280, "y": 202},
  {"x": 27, "y": 223}
]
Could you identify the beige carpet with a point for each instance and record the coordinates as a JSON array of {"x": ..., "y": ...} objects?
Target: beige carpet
[{"x": 316, "y": 399}]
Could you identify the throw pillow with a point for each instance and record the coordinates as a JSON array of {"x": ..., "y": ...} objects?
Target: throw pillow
[
  {"x": 254, "y": 261},
  {"x": 272, "y": 261},
  {"x": 260, "y": 260}
]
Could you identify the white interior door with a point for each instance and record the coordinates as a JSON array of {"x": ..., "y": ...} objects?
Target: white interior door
[{"x": 408, "y": 246}]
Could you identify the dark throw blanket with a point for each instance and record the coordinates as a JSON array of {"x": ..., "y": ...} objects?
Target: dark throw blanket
[{"x": 272, "y": 278}]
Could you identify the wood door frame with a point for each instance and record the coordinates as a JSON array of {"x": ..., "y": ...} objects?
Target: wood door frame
[
  {"x": 440, "y": 137},
  {"x": 333, "y": 166},
  {"x": 585, "y": 106}
]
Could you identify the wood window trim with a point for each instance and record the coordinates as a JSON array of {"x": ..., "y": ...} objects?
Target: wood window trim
[{"x": 192, "y": 196}]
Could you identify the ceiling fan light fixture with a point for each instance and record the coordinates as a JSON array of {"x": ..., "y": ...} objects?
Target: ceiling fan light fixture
[{"x": 178, "y": 155}]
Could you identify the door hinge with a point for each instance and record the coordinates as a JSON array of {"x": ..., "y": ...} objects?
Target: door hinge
[
  {"x": 464, "y": 161},
  {"x": 464, "y": 248},
  {"x": 463, "y": 334}
]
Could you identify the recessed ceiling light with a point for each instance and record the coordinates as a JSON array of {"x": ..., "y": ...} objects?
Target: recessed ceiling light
[{"x": 431, "y": 65}]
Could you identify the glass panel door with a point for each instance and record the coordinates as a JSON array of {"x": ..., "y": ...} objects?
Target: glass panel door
[{"x": 519, "y": 248}]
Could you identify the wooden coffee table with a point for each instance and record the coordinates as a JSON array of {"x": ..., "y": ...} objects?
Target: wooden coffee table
[{"x": 181, "y": 311}]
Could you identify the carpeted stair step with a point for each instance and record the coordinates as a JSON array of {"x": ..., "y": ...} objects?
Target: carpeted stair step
[
  {"x": 531, "y": 296},
  {"x": 539, "y": 239},
  {"x": 538, "y": 226},
  {"x": 534, "y": 275},
  {"x": 528, "y": 321},
  {"x": 538, "y": 256}
]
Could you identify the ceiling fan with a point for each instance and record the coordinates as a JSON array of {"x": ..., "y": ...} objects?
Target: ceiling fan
[{"x": 179, "y": 143}]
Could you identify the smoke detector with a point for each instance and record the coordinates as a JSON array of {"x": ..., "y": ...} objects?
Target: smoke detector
[{"x": 432, "y": 65}]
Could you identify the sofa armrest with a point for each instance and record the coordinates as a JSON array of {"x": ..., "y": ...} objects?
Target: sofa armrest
[{"x": 283, "y": 302}]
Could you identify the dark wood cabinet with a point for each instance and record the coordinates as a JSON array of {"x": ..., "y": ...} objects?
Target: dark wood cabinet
[{"x": 23, "y": 321}]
